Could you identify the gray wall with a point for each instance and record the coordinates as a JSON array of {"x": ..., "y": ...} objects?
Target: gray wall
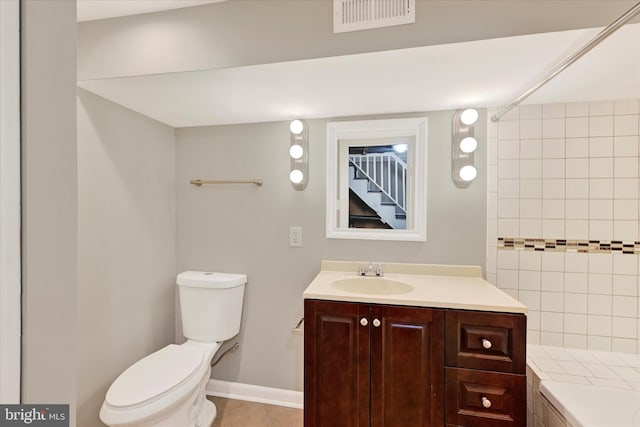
[
  {"x": 245, "y": 32},
  {"x": 126, "y": 244},
  {"x": 48, "y": 88},
  {"x": 245, "y": 229}
]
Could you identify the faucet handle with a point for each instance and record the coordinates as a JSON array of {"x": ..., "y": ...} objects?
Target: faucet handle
[
  {"x": 361, "y": 270},
  {"x": 379, "y": 271}
]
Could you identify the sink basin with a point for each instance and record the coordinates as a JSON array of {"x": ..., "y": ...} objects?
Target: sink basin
[{"x": 372, "y": 286}]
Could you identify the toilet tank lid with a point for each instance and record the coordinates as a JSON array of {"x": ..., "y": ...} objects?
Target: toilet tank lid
[{"x": 209, "y": 279}]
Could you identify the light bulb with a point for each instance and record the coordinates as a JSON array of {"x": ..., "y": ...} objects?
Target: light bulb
[
  {"x": 296, "y": 151},
  {"x": 401, "y": 148},
  {"x": 468, "y": 173},
  {"x": 296, "y": 176},
  {"x": 469, "y": 116},
  {"x": 296, "y": 127},
  {"x": 468, "y": 145}
]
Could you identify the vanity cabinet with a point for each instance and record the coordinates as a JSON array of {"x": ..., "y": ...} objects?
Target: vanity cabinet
[
  {"x": 370, "y": 365},
  {"x": 374, "y": 365}
]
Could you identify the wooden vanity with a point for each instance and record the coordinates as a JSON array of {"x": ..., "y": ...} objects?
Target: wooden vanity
[{"x": 425, "y": 361}]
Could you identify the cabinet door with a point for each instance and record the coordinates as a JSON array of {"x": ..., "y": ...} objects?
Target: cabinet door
[
  {"x": 337, "y": 367},
  {"x": 407, "y": 367}
]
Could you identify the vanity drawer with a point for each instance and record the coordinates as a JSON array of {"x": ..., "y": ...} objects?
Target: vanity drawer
[
  {"x": 484, "y": 399},
  {"x": 485, "y": 340}
]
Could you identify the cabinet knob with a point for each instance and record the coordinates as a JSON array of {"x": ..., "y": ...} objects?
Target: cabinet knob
[
  {"x": 486, "y": 402},
  {"x": 364, "y": 321},
  {"x": 376, "y": 322},
  {"x": 486, "y": 343}
]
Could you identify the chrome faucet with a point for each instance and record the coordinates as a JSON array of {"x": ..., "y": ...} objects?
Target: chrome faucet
[
  {"x": 379, "y": 271},
  {"x": 370, "y": 270}
]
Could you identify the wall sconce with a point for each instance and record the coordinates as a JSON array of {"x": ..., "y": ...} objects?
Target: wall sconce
[
  {"x": 463, "y": 145},
  {"x": 299, "y": 154}
]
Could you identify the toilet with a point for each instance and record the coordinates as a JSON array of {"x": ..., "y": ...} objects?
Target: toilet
[{"x": 167, "y": 388}]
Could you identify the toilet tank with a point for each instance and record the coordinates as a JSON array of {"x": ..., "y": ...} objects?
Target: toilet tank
[{"x": 210, "y": 304}]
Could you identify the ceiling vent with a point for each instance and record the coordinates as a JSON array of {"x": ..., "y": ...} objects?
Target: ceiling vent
[{"x": 354, "y": 15}]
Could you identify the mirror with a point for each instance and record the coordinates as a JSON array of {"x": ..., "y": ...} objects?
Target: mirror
[{"x": 376, "y": 179}]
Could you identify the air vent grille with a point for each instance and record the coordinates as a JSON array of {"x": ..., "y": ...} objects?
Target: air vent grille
[{"x": 354, "y": 15}]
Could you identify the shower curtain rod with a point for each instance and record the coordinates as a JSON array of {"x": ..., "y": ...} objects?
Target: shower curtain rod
[{"x": 610, "y": 29}]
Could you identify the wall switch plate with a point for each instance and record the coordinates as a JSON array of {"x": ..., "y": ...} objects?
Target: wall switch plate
[{"x": 295, "y": 235}]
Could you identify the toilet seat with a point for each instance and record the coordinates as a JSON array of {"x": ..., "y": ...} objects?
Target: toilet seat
[
  {"x": 169, "y": 395},
  {"x": 154, "y": 376}
]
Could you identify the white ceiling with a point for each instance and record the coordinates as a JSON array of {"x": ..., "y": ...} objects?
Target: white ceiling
[
  {"x": 90, "y": 10},
  {"x": 481, "y": 73}
]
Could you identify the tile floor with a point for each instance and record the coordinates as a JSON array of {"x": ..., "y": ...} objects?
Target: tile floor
[{"x": 238, "y": 413}]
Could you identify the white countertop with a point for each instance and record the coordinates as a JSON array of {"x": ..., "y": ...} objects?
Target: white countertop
[{"x": 439, "y": 286}]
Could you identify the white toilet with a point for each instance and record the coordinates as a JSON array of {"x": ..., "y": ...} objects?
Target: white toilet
[{"x": 167, "y": 388}]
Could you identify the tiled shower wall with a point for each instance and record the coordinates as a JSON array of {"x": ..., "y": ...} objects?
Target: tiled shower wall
[{"x": 563, "y": 220}]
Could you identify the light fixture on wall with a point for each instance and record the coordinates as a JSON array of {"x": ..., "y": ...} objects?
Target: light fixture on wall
[
  {"x": 463, "y": 145},
  {"x": 299, "y": 154}
]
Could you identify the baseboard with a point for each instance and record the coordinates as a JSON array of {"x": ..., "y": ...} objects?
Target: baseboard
[{"x": 255, "y": 393}]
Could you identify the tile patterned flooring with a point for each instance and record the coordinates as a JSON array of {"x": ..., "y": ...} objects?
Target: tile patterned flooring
[{"x": 238, "y": 413}]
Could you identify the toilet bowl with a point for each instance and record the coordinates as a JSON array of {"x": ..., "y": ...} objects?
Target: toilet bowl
[{"x": 167, "y": 388}]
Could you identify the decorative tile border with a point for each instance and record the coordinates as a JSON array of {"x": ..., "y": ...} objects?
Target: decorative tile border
[{"x": 562, "y": 245}]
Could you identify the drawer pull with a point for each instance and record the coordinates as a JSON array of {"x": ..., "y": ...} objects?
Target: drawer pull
[
  {"x": 486, "y": 343},
  {"x": 486, "y": 402},
  {"x": 376, "y": 322},
  {"x": 364, "y": 321}
]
